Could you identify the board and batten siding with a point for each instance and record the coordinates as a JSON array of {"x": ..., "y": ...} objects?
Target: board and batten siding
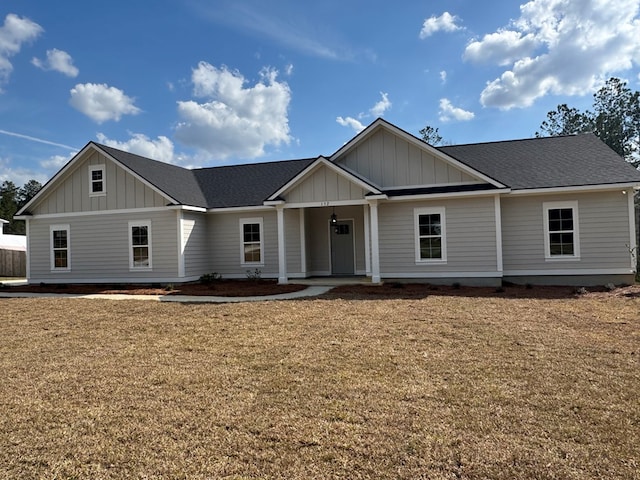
[
  {"x": 123, "y": 190},
  {"x": 195, "y": 242},
  {"x": 390, "y": 161},
  {"x": 603, "y": 224},
  {"x": 99, "y": 248},
  {"x": 470, "y": 238},
  {"x": 324, "y": 184}
]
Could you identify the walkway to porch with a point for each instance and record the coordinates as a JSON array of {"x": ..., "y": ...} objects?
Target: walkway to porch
[{"x": 332, "y": 281}]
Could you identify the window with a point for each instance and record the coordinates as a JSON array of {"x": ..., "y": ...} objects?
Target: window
[
  {"x": 97, "y": 181},
  {"x": 251, "y": 245},
  {"x": 561, "y": 230},
  {"x": 140, "y": 245},
  {"x": 60, "y": 259},
  {"x": 431, "y": 245}
]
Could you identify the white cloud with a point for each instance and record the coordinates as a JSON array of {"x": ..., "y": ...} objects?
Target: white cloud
[
  {"x": 445, "y": 22},
  {"x": 15, "y": 31},
  {"x": 101, "y": 102},
  {"x": 382, "y": 106},
  {"x": 443, "y": 76},
  {"x": 448, "y": 112},
  {"x": 234, "y": 120},
  {"x": 57, "y": 60},
  {"x": 288, "y": 70},
  {"x": 350, "y": 122},
  {"x": 559, "y": 47},
  {"x": 19, "y": 176},
  {"x": 56, "y": 162},
  {"x": 161, "y": 148}
]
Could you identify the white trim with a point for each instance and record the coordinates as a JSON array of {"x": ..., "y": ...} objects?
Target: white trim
[
  {"x": 59, "y": 228},
  {"x": 383, "y": 124},
  {"x": 573, "y": 189},
  {"x": 573, "y": 205},
  {"x": 124, "y": 211},
  {"x": 282, "y": 253},
  {"x": 327, "y": 203},
  {"x": 367, "y": 241},
  {"x": 140, "y": 223},
  {"x": 28, "y": 259},
  {"x": 433, "y": 185},
  {"x": 98, "y": 168},
  {"x": 181, "y": 244},
  {"x": 130, "y": 279},
  {"x": 498, "y": 212},
  {"x": 433, "y": 196},
  {"x": 443, "y": 275},
  {"x": 633, "y": 243},
  {"x": 250, "y": 209},
  {"x": 375, "y": 245},
  {"x": 303, "y": 242},
  {"x": 443, "y": 235},
  {"x": 569, "y": 271},
  {"x": 315, "y": 165},
  {"x": 187, "y": 208},
  {"x": 242, "y": 222}
]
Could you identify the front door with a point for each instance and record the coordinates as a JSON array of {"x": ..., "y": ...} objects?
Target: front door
[{"x": 342, "y": 248}]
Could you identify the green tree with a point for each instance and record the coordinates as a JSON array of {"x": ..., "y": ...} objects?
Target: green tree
[
  {"x": 28, "y": 191},
  {"x": 9, "y": 206},
  {"x": 615, "y": 120},
  {"x": 431, "y": 135}
]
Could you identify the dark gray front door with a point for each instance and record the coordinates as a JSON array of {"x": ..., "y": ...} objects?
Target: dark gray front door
[{"x": 342, "y": 261}]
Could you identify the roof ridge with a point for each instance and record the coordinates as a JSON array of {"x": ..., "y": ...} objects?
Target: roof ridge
[{"x": 514, "y": 140}]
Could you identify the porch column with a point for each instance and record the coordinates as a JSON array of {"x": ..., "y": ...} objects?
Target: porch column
[
  {"x": 367, "y": 242},
  {"x": 282, "y": 254},
  {"x": 375, "y": 252}
]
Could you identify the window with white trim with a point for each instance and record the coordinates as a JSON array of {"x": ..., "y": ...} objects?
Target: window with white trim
[
  {"x": 140, "y": 245},
  {"x": 60, "y": 251},
  {"x": 561, "y": 238},
  {"x": 251, "y": 241},
  {"x": 97, "y": 181},
  {"x": 430, "y": 235}
]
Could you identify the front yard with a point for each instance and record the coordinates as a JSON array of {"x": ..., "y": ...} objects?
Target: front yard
[{"x": 438, "y": 387}]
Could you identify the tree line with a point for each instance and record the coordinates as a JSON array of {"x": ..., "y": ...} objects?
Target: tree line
[{"x": 12, "y": 199}]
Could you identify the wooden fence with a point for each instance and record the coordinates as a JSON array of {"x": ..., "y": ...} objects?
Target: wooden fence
[{"x": 13, "y": 263}]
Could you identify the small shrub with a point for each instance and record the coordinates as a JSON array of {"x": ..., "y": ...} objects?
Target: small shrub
[
  {"x": 169, "y": 287},
  {"x": 209, "y": 278},
  {"x": 610, "y": 287},
  {"x": 254, "y": 275},
  {"x": 582, "y": 291}
]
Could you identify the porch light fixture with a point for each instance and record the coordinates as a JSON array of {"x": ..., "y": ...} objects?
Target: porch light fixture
[{"x": 334, "y": 218}]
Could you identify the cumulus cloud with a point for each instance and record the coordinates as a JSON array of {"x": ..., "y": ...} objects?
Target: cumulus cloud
[
  {"x": 378, "y": 110},
  {"x": 443, "y": 76},
  {"x": 558, "y": 47},
  {"x": 161, "y": 148},
  {"x": 450, "y": 113},
  {"x": 56, "y": 162},
  {"x": 234, "y": 120},
  {"x": 57, "y": 60},
  {"x": 444, "y": 23},
  {"x": 13, "y": 34},
  {"x": 19, "y": 175},
  {"x": 101, "y": 102}
]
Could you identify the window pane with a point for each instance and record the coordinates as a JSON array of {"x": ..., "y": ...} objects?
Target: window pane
[
  {"x": 430, "y": 248},
  {"x": 561, "y": 243},
  {"x": 59, "y": 239},
  {"x": 96, "y": 186},
  {"x": 251, "y": 232},
  {"x": 60, "y": 258},
  {"x": 560, "y": 219},
  {"x": 252, "y": 252},
  {"x": 141, "y": 257},
  {"x": 96, "y": 175},
  {"x": 429, "y": 224},
  {"x": 140, "y": 235}
]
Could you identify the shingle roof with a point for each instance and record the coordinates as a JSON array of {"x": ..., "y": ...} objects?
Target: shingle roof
[{"x": 573, "y": 160}]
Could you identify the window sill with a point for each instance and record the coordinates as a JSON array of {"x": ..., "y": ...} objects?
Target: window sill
[
  {"x": 252, "y": 264},
  {"x": 101, "y": 194},
  {"x": 562, "y": 259},
  {"x": 431, "y": 262},
  {"x": 61, "y": 270}
]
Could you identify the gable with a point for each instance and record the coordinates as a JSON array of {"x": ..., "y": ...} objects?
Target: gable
[
  {"x": 324, "y": 184},
  {"x": 71, "y": 192}
]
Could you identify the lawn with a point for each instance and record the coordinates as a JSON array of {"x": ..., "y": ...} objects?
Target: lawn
[{"x": 344, "y": 386}]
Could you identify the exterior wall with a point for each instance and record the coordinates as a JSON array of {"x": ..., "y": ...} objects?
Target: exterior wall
[
  {"x": 318, "y": 238},
  {"x": 225, "y": 248},
  {"x": 195, "y": 241},
  {"x": 390, "y": 161},
  {"x": 603, "y": 223},
  {"x": 99, "y": 248},
  {"x": 123, "y": 191},
  {"x": 470, "y": 229},
  {"x": 324, "y": 185}
]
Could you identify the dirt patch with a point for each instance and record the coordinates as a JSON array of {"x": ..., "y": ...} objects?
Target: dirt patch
[{"x": 222, "y": 288}]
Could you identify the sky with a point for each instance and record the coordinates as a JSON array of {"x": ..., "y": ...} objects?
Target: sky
[{"x": 202, "y": 83}]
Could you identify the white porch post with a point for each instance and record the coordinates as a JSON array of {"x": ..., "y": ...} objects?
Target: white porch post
[
  {"x": 367, "y": 242},
  {"x": 282, "y": 254},
  {"x": 633, "y": 243},
  {"x": 498, "y": 212},
  {"x": 303, "y": 243},
  {"x": 375, "y": 252}
]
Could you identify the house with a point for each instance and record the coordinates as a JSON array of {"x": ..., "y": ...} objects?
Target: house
[
  {"x": 12, "y": 253},
  {"x": 387, "y": 205}
]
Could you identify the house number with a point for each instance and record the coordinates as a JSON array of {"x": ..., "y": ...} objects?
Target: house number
[{"x": 324, "y": 204}]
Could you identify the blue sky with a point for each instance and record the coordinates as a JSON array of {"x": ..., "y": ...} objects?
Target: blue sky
[{"x": 206, "y": 83}]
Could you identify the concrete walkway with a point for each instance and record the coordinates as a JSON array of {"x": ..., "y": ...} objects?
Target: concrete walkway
[{"x": 311, "y": 291}]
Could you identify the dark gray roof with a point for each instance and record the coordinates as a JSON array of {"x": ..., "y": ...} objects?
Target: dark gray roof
[{"x": 572, "y": 160}]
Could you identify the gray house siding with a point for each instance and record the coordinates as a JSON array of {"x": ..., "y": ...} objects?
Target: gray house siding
[
  {"x": 195, "y": 242},
  {"x": 123, "y": 190},
  {"x": 470, "y": 239},
  {"x": 99, "y": 248},
  {"x": 603, "y": 222},
  {"x": 324, "y": 184}
]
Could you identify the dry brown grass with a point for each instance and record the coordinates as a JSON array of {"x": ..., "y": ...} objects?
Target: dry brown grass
[{"x": 441, "y": 387}]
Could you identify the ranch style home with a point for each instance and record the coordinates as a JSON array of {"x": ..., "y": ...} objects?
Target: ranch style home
[{"x": 386, "y": 205}]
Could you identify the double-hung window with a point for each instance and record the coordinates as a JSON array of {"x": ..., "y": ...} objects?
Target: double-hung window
[
  {"x": 60, "y": 258},
  {"x": 97, "y": 181},
  {"x": 140, "y": 245},
  {"x": 561, "y": 235},
  {"x": 251, "y": 241},
  {"x": 430, "y": 235}
]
